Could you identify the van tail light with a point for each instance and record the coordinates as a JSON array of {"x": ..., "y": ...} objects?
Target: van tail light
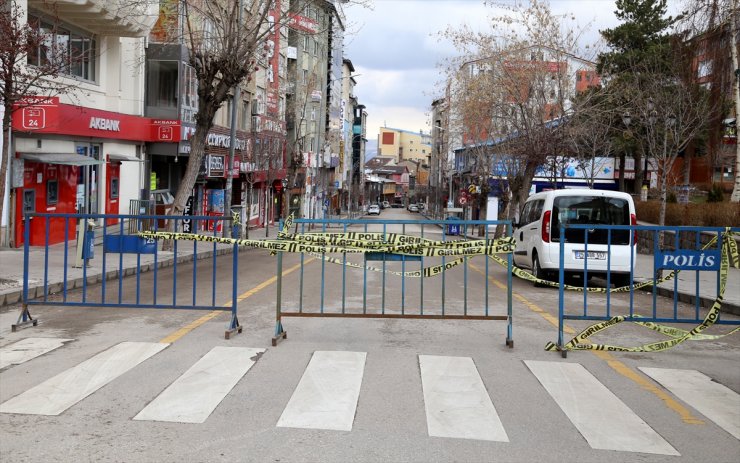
[
  {"x": 633, "y": 221},
  {"x": 546, "y": 227}
]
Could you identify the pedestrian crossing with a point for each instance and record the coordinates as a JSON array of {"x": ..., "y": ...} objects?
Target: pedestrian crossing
[{"x": 457, "y": 403}]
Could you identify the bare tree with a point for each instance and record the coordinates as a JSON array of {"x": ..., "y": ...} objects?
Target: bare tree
[
  {"x": 674, "y": 111},
  {"x": 591, "y": 131},
  {"x": 223, "y": 53},
  {"x": 31, "y": 68},
  {"x": 515, "y": 84}
]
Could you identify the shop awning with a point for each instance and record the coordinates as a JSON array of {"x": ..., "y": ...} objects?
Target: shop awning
[
  {"x": 123, "y": 157},
  {"x": 68, "y": 159}
]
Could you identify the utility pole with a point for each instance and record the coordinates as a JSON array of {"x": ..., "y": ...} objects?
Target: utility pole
[{"x": 232, "y": 139}]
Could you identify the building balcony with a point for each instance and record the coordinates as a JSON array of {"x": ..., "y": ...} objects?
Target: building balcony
[{"x": 116, "y": 18}]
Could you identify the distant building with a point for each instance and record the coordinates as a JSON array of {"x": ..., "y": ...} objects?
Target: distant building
[{"x": 404, "y": 145}]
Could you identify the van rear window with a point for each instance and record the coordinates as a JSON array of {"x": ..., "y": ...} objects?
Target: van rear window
[{"x": 592, "y": 210}]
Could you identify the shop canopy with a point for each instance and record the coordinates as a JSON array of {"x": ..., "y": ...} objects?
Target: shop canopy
[
  {"x": 123, "y": 157},
  {"x": 68, "y": 159}
]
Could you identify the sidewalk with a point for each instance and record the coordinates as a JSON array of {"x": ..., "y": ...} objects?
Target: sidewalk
[{"x": 11, "y": 271}]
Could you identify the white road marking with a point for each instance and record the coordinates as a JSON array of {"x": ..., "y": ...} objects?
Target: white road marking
[
  {"x": 57, "y": 394},
  {"x": 326, "y": 397},
  {"x": 195, "y": 394},
  {"x": 713, "y": 400},
  {"x": 600, "y": 416},
  {"x": 456, "y": 401},
  {"x": 28, "y": 349}
]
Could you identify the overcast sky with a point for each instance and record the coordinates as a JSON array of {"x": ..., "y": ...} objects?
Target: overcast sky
[{"x": 395, "y": 51}]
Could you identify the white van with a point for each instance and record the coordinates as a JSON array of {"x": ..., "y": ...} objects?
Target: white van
[{"x": 538, "y": 229}]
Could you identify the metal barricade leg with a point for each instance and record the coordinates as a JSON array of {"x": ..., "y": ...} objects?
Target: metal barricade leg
[
  {"x": 234, "y": 326},
  {"x": 280, "y": 333},
  {"x": 25, "y": 318}
]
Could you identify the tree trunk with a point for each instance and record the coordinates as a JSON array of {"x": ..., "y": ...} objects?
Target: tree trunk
[
  {"x": 735, "y": 198},
  {"x": 622, "y": 160},
  {"x": 639, "y": 172},
  {"x": 198, "y": 144}
]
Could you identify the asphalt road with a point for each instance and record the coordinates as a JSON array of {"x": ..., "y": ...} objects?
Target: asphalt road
[{"x": 390, "y": 404}]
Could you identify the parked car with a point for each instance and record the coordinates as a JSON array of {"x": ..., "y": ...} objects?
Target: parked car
[
  {"x": 413, "y": 208},
  {"x": 537, "y": 233},
  {"x": 420, "y": 205},
  {"x": 385, "y": 204},
  {"x": 397, "y": 205},
  {"x": 374, "y": 209}
]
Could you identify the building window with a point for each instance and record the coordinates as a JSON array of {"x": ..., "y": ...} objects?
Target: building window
[
  {"x": 161, "y": 86},
  {"x": 305, "y": 77},
  {"x": 52, "y": 192},
  {"x": 306, "y": 43},
  {"x": 71, "y": 51},
  {"x": 704, "y": 69},
  {"x": 243, "y": 120}
]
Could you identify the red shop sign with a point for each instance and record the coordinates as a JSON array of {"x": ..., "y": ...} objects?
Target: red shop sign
[{"x": 49, "y": 116}]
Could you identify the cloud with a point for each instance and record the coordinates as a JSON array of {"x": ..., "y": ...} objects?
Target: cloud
[{"x": 396, "y": 49}]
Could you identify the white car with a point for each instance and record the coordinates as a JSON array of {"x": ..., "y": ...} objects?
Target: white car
[
  {"x": 373, "y": 209},
  {"x": 413, "y": 208},
  {"x": 537, "y": 234}
]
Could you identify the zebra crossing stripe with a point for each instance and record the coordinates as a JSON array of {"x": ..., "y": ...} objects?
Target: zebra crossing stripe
[
  {"x": 456, "y": 401},
  {"x": 195, "y": 394},
  {"x": 57, "y": 394},
  {"x": 713, "y": 400},
  {"x": 28, "y": 349},
  {"x": 599, "y": 415},
  {"x": 326, "y": 396}
]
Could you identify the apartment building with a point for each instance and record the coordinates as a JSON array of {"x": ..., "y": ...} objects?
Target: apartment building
[
  {"x": 404, "y": 145},
  {"x": 71, "y": 150},
  {"x": 133, "y": 111}
]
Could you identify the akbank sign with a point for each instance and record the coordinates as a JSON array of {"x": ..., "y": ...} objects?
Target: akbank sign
[{"x": 686, "y": 259}]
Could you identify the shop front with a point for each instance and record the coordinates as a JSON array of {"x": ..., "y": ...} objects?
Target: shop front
[{"x": 71, "y": 159}]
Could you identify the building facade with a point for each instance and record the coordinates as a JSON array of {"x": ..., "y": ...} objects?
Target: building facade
[
  {"x": 71, "y": 151},
  {"x": 404, "y": 145}
]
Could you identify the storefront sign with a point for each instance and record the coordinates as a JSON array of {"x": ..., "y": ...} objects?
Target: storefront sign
[
  {"x": 215, "y": 165},
  {"x": 47, "y": 115},
  {"x": 302, "y": 23},
  {"x": 224, "y": 141},
  {"x": 187, "y": 224}
]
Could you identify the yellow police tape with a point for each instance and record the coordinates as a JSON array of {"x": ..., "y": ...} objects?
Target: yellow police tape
[
  {"x": 430, "y": 271},
  {"x": 360, "y": 243},
  {"x": 730, "y": 257},
  {"x": 321, "y": 243}
]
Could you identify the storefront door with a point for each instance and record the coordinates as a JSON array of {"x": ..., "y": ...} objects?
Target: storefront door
[{"x": 87, "y": 182}]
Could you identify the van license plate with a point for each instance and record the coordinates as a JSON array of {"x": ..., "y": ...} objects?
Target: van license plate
[{"x": 597, "y": 255}]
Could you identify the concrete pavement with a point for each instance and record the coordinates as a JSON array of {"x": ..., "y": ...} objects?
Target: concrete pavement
[{"x": 11, "y": 271}]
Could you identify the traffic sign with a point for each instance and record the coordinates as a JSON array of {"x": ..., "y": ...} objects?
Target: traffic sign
[{"x": 463, "y": 200}]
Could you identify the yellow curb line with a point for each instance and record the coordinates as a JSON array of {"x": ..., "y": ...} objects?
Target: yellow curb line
[
  {"x": 188, "y": 328},
  {"x": 616, "y": 365}
]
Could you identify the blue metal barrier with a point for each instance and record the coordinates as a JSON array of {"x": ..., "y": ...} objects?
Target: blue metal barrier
[
  {"x": 344, "y": 286},
  {"x": 684, "y": 249},
  {"x": 101, "y": 280}
]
